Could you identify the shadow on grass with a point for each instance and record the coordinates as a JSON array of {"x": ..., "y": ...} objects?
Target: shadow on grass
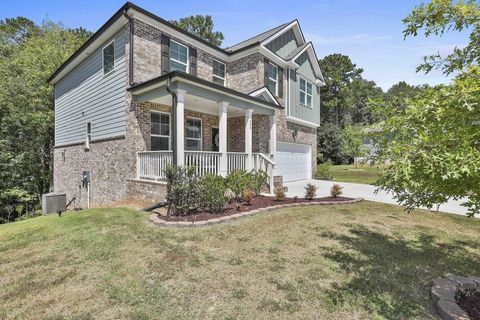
[{"x": 389, "y": 276}]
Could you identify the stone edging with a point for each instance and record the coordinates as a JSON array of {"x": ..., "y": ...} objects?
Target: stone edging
[
  {"x": 443, "y": 294},
  {"x": 160, "y": 222}
]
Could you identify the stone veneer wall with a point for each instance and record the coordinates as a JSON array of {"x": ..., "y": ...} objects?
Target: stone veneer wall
[{"x": 246, "y": 74}]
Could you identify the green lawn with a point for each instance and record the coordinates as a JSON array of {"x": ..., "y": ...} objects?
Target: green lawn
[
  {"x": 361, "y": 174},
  {"x": 362, "y": 261}
]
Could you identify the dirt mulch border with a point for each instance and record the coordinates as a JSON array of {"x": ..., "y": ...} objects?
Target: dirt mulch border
[{"x": 153, "y": 218}]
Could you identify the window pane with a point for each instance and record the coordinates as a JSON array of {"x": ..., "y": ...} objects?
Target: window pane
[
  {"x": 178, "y": 52},
  {"x": 218, "y": 69},
  {"x": 302, "y": 84},
  {"x": 193, "y": 145},
  {"x": 309, "y": 101},
  {"x": 160, "y": 124},
  {"x": 219, "y": 81},
  {"x": 272, "y": 86},
  {"x": 309, "y": 88},
  {"x": 302, "y": 98},
  {"x": 108, "y": 58},
  {"x": 177, "y": 66},
  {"x": 159, "y": 143},
  {"x": 272, "y": 71},
  {"x": 194, "y": 128}
]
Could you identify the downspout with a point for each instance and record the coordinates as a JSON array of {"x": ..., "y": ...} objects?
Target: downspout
[
  {"x": 130, "y": 47},
  {"x": 174, "y": 120}
]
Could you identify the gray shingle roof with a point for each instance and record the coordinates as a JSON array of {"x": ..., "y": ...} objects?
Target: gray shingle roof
[
  {"x": 292, "y": 54},
  {"x": 257, "y": 39}
]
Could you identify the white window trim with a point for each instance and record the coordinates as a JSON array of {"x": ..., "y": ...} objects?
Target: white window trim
[
  {"x": 103, "y": 58},
  {"x": 88, "y": 136},
  {"x": 224, "y": 71},
  {"x": 201, "y": 133},
  {"x": 161, "y": 135},
  {"x": 187, "y": 69},
  {"x": 274, "y": 79},
  {"x": 305, "y": 92}
]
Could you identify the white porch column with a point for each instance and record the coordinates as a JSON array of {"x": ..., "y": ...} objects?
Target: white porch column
[
  {"x": 248, "y": 138},
  {"x": 180, "y": 127},
  {"x": 222, "y": 135},
  {"x": 273, "y": 134}
]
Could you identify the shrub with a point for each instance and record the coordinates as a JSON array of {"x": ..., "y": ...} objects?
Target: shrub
[
  {"x": 310, "y": 191},
  {"x": 238, "y": 181},
  {"x": 248, "y": 195},
  {"x": 182, "y": 189},
  {"x": 213, "y": 192},
  {"x": 257, "y": 179},
  {"x": 279, "y": 194},
  {"x": 323, "y": 171},
  {"x": 336, "y": 190}
]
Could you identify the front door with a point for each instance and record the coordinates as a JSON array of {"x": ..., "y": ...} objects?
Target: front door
[{"x": 215, "y": 139}]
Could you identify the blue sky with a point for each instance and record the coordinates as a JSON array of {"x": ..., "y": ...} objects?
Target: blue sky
[{"x": 369, "y": 31}]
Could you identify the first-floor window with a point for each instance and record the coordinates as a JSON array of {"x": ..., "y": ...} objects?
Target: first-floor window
[
  {"x": 88, "y": 135},
  {"x": 160, "y": 131},
  {"x": 306, "y": 93},
  {"x": 194, "y": 134}
]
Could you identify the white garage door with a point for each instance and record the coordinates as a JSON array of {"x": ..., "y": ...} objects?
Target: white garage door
[{"x": 293, "y": 161}]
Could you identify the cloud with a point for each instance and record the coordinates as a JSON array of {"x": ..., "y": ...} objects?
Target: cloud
[{"x": 352, "y": 39}]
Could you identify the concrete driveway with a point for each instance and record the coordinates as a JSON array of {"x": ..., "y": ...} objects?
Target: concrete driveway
[{"x": 365, "y": 191}]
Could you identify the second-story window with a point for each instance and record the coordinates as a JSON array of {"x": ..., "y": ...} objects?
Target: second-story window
[
  {"x": 108, "y": 58},
  {"x": 306, "y": 93},
  {"x": 272, "y": 84},
  {"x": 178, "y": 56},
  {"x": 219, "y": 72}
]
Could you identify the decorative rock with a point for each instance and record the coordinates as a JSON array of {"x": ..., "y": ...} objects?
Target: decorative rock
[
  {"x": 449, "y": 310},
  {"x": 463, "y": 282}
]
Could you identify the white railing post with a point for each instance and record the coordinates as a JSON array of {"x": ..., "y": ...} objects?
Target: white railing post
[
  {"x": 222, "y": 131},
  {"x": 248, "y": 138}
]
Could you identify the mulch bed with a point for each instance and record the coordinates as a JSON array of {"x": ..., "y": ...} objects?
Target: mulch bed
[
  {"x": 257, "y": 203},
  {"x": 470, "y": 303}
]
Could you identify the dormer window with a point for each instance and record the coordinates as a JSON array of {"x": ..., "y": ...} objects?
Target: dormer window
[
  {"x": 178, "y": 56},
  {"x": 108, "y": 58},
  {"x": 272, "y": 84}
]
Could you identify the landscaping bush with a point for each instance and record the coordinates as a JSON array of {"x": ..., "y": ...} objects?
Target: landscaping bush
[
  {"x": 279, "y": 194},
  {"x": 237, "y": 182},
  {"x": 323, "y": 171},
  {"x": 310, "y": 191},
  {"x": 258, "y": 179},
  {"x": 182, "y": 190},
  {"x": 213, "y": 192},
  {"x": 336, "y": 190},
  {"x": 248, "y": 195}
]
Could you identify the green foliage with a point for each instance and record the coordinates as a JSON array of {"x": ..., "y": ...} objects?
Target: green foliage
[
  {"x": 258, "y": 180},
  {"x": 310, "y": 191},
  {"x": 183, "y": 190},
  {"x": 201, "y": 26},
  {"x": 329, "y": 147},
  {"x": 433, "y": 146},
  {"x": 336, "y": 190},
  {"x": 29, "y": 54},
  {"x": 212, "y": 192},
  {"x": 352, "y": 142},
  {"x": 324, "y": 171},
  {"x": 440, "y": 16},
  {"x": 279, "y": 194}
]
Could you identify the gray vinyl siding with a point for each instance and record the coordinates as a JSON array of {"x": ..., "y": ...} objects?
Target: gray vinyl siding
[
  {"x": 297, "y": 110},
  {"x": 284, "y": 44},
  {"x": 86, "y": 95}
]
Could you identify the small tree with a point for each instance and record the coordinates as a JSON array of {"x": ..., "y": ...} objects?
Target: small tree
[{"x": 352, "y": 142}]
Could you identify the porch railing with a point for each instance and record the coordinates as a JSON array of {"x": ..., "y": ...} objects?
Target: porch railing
[
  {"x": 236, "y": 161},
  {"x": 151, "y": 165}
]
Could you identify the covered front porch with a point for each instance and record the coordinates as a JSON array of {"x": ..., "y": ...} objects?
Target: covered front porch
[{"x": 215, "y": 129}]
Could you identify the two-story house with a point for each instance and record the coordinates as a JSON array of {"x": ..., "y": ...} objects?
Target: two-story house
[{"x": 142, "y": 93}]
